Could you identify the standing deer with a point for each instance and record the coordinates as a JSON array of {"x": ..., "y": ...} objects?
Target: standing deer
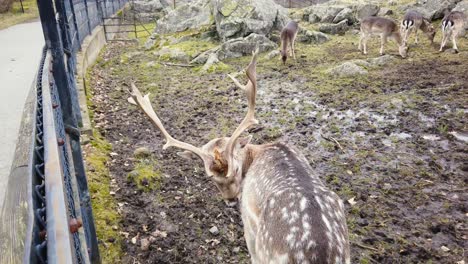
[
  {"x": 384, "y": 27},
  {"x": 288, "y": 37},
  {"x": 452, "y": 26},
  {"x": 414, "y": 20},
  {"x": 289, "y": 215}
]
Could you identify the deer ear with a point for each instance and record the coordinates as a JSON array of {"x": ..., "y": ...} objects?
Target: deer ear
[
  {"x": 187, "y": 155},
  {"x": 244, "y": 141}
]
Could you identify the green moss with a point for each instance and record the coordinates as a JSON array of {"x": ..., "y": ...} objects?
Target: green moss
[
  {"x": 194, "y": 47},
  {"x": 145, "y": 175},
  {"x": 104, "y": 205}
]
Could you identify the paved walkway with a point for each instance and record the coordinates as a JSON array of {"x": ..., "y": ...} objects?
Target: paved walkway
[{"x": 20, "y": 52}]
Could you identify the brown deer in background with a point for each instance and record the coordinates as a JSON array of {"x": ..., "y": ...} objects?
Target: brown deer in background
[
  {"x": 414, "y": 20},
  {"x": 288, "y": 38},
  {"x": 453, "y": 24},
  {"x": 385, "y": 28},
  {"x": 289, "y": 215}
]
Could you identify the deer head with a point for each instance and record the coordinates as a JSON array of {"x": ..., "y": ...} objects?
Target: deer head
[{"x": 224, "y": 158}]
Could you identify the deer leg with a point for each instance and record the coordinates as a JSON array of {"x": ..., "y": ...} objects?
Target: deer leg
[
  {"x": 454, "y": 41},
  {"x": 293, "y": 49},
  {"x": 383, "y": 40},
  {"x": 416, "y": 33},
  {"x": 444, "y": 40}
]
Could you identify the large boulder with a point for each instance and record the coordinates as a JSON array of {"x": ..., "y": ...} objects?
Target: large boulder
[
  {"x": 462, "y": 7},
  {"x": 322, "y": 13},
  {"x": 367, "y": 10},
  {"x": 347, "y": 69},
  {"x": 239, "y": 47},
  {"x": 312, "y": 37},
  {"x": 147, "y": 6},
  {"x": 345, "y": 13},
  {"x": 239, "y": 18},
  {"x": 435, "y": 9},
  {"x": 335, "y": 29},
  {"x": 235, "y": 48},
  {"x": 192, "y": 15}
]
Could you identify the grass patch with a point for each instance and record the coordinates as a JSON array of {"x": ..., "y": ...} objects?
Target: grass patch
[
  {"x": 16, "y": 16},
  {"x": 145, "y": 175},
  {"x": 104, "y": 205}
]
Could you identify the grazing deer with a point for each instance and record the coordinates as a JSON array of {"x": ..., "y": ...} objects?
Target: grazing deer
[
  {"x": 384, "y": 27},
  {"x": 289, "y": 215},
  {"x": 414, "y": 20},
  {"x": 452, "y": 26},
  {"x": 288, "y": 37}
]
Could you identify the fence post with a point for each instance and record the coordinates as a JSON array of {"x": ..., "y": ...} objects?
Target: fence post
[
  {"x": 87, "y": 17},
  {"x": 77, "y": 32}
]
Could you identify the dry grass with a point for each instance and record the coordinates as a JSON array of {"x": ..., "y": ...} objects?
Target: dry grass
[{"x": 16, "y": 16}]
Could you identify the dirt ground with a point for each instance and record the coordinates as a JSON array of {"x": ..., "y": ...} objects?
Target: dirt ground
[{"x": 392, "y": 143}]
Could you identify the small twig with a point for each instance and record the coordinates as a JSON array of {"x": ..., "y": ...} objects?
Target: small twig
[
  {"x": 175, "y": 64},
  {"x": 366, "y": 247},
  {"x": 332, "y": 139}
]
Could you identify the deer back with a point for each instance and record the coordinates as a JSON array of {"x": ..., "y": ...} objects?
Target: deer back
[{"x": 292, "y": 214}]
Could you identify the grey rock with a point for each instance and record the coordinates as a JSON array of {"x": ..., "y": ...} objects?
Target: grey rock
[
  {"x": 381, "y": 60},
  {"x": 462, "y": 7},
  {"x": 144, "y": 244},
  {"x": 142, "y": 6},
  {"x": 347, "y": 69},
  {"x": 192, "y": 15},
  {"x": 385, "y": 11},
  {"x": 203, "y": 57},
  {"x": 214, "y": 230},
  {"x": 345, "y": 13},
  {"x": 239, "y": 18},
  {"x": 272, "y": 54},
  {"x": 367, "y": 10},
  {"x": 172, "y": 54},
  {"x": 335, "y": 29},
  {"x": 435, "y": 9},
  {"x": 313, "y": 37},
  {"x": 239, "y": 47},
  {"x": 322, "y": 13},
  {"x": 141, "y": 152},
  {"x": 212, "y": 59}
]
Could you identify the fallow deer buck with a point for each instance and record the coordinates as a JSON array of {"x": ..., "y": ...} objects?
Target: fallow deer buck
[
  {"x": 288, "y": 38},
  {"x": 413, "y": 20},
  {"x": 385, "y": 28},
  {"x": 453, "y": 24},
  {"x": 289, "y": 215}
]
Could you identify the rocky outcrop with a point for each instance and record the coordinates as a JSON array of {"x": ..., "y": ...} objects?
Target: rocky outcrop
[
  {"x": 239, "y": 47},
  {"x": 236, "y": 48},
  {"x": 312, "y": 37},
  {"x": 462, "y": 7},
  {"x": 335, "y": 29},
  {"x": 434, "y": 9},
  {"x": 322, "y": 13},
  {"x": 347, "y": 69},
  {"x": 367, "y": 11},
  {"x": 239, "y": 18},
  {"x": 193, "y": 15}
]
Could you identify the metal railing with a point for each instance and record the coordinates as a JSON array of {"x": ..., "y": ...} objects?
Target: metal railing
[{"x": 60, "y": 198}]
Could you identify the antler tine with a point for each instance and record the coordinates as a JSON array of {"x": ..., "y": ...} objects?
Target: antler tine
[
  {"x": 249, "y": 120},
  {"x": 144, "y": 103}
]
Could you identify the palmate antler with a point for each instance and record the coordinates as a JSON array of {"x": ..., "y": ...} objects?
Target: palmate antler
[
  {"x": 145, "y": 105},
  {"x": 249, "y": 120}
]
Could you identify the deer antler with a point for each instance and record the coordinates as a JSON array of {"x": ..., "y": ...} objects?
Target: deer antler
[
  {"x": 145, "y": 105},
  {"x": 251, "y": 90}
]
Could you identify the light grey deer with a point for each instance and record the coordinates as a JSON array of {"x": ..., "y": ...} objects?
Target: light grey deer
[
  {"x": 453, "y": 24},
  {"x": 289, "y": 215},
  {"x": 288, "y": 38},
  {"x": 385, "y": 28},
  {"x": 413, "y": 20}
]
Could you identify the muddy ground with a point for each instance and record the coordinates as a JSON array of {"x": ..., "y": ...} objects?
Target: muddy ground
[{"x": 393, "y": 143}]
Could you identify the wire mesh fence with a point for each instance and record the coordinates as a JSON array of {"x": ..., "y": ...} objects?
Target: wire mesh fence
[{"x": 61, "y": 201}]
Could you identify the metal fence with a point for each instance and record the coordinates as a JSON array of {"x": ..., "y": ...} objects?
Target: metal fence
[{"x": 60, "y": 198}]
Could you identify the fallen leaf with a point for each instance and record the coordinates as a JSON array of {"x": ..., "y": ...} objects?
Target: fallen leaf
[{"x": 352, "y": 201}]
